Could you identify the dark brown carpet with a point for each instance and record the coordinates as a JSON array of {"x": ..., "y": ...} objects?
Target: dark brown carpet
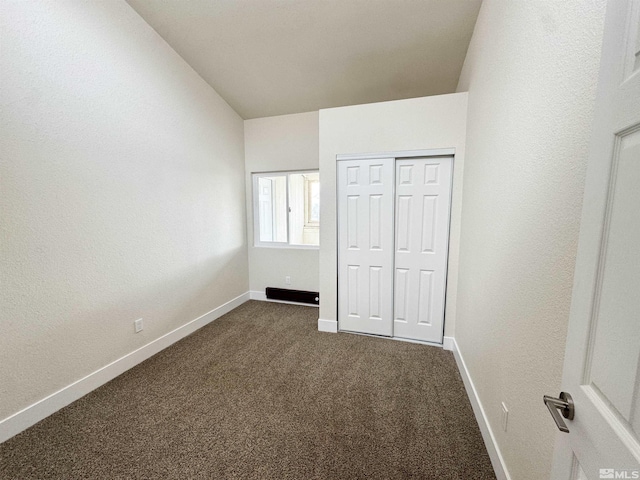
[{"x": 259, "y": 393}]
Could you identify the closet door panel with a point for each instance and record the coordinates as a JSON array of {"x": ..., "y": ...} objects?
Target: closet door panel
[
  {"x": 365, "y": 245},
  {"x": 423, "y": 198}
]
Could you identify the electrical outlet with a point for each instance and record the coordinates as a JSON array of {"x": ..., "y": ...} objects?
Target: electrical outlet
[
  {"x": 287, "y": 280},
  {"x": 138, "y": 325},
  {"x": 505, "y": 416}
]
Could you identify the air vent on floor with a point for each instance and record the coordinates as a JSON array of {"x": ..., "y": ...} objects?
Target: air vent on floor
[{"x": 299, "y": 296}]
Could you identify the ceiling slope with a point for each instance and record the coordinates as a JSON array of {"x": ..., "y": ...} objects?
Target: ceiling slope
[{"x": 273, "y": 57}]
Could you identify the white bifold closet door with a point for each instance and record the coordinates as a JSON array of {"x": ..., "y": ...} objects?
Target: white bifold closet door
[
  {"x": 393, "y": 236},
  {"x": 423, "y": 199},
  {"x": 365, "y": 245}
]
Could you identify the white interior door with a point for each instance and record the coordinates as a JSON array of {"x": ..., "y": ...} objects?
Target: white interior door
[
  {"x": 365, "y": 245},
  {"x": 423, "y": 202},
  {"x": 602, "y": 360}
]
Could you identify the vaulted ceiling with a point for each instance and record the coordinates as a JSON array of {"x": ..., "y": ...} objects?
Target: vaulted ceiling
[{"x": 273, "y": 57}]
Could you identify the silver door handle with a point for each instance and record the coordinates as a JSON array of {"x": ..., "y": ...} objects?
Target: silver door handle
[{"x": 566, "y": 407}]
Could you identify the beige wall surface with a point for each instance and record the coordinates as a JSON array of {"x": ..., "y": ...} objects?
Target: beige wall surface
[
  {"x": 286, "y": 142},
  {"x": 122, "y": 193},
  {"x": 414, "y": 124},
  {"x": 531, "y": 73}
]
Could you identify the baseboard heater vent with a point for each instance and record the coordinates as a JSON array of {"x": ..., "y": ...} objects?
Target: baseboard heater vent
[{"x": 299, "y": 296}]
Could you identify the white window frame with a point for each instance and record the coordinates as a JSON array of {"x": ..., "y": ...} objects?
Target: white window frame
[
  {"x": 256, "y": 216},
  {"x": 308, "y": 207}
]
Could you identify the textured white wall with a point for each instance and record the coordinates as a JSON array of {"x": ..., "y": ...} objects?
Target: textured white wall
[
  {"x": 531, "y": 73},
  {"x": 122, "y": 193},
  {"x": 418, "y": 123},
  {"x": 286, "y": 142}
]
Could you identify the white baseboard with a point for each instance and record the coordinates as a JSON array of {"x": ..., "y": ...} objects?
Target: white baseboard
[
  {"x": 497, "y": 460},
  {"x": 448, "y": 343},
  {"x": 330, "y": 326},
  {"x": 258, "y": 295},
  {"x": 32, "y": 414}
]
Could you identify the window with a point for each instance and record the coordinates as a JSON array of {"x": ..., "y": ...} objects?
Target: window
[{"x": 286, "y": 208}]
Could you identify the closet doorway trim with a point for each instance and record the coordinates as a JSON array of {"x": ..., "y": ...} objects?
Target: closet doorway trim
[{"x": 434, "y": 152}]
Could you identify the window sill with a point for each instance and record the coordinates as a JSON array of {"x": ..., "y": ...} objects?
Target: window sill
[{"x": 288, "y": 247}]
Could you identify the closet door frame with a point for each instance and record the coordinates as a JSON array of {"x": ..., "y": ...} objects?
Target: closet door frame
[{"x": 398, "y": 155}]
